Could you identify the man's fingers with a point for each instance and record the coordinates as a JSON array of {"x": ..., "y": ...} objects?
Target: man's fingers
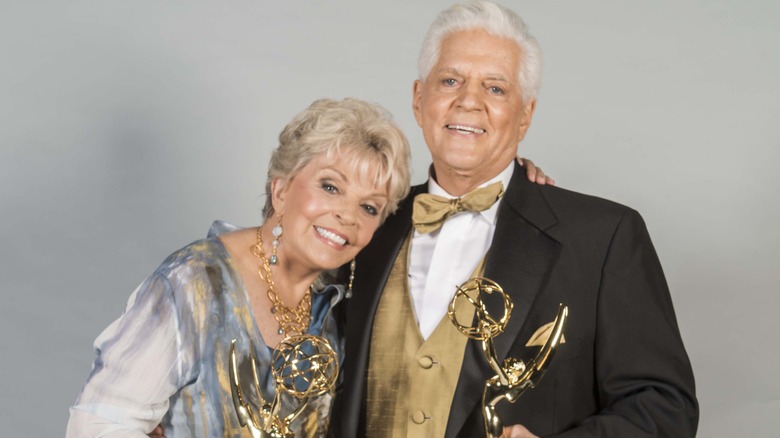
[
  {"x": 542, "y": 178},
  {"x": 530, "y": 168},
  {"x": 534, "y": 173},
  {"x": 157, "y": 432},
  {"x": 517, "y": 431}
]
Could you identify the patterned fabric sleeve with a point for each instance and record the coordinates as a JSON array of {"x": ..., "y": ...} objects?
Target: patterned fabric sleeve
[{"x": 136, "y": 370}]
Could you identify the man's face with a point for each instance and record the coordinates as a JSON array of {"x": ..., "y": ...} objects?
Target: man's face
[{"x": 471, "y": 110}]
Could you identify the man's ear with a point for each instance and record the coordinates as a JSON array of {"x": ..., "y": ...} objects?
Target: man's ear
[
  {"x": 278, "y": 194},
  {"x": 416, "y": 97},
  {"x": 527, "y": 117}
]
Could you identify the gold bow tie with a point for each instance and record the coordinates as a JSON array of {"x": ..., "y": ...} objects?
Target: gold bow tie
[{"x": 430, "y": 211}]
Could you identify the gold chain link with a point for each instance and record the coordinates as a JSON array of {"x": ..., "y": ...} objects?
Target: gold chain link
[{"x": 291, "y": 321}]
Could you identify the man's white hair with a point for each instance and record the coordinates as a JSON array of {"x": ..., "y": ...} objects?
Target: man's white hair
[{"x": 495, "y": 20}]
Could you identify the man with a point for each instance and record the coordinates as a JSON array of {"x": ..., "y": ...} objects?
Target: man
[{"x": 622, "y": 371}]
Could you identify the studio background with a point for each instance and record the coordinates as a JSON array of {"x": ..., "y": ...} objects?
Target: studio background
[{"x": 127, "y": 127}]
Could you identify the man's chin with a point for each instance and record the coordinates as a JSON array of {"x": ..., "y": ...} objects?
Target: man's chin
[{"x": 471, "y": 166}]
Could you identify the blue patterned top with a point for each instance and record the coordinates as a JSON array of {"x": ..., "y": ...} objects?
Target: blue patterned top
[{"x": 165, "y": 360}]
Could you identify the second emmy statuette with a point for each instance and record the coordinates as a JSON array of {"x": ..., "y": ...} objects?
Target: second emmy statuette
[
  {"x": 514, "y": 376},
  {"x": 303, "y": 366}
]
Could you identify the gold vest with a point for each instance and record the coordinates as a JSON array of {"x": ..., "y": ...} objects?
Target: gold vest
[{"x": 411, "y": 382}]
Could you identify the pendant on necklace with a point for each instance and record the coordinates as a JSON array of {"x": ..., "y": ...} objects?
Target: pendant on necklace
[{"x": 280, "y": 331}]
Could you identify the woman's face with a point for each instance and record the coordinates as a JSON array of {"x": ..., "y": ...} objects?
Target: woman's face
[{"x": 328, "y": 213}]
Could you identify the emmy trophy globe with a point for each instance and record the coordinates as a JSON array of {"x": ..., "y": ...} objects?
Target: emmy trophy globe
[
  {"x": 303, "y": 366},
  {"x": 514, "y": 376}
]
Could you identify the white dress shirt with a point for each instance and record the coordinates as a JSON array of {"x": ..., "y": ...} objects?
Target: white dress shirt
[{"x": 443, "y": 259}]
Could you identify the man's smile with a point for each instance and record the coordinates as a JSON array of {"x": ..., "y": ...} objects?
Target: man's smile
[{"x": 465, "y": 129}]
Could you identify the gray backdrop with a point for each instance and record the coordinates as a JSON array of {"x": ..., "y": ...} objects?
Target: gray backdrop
[{"x": 127, "y": 127}]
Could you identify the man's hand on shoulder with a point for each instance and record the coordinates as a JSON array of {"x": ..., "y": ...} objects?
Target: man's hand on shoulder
[{"x": 535, "y": 173}]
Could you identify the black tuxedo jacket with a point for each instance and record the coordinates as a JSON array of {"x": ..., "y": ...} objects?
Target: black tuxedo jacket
[{"x": 623, "y": 371}]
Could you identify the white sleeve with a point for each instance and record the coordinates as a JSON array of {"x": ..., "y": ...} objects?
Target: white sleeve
[{"x": 136, "y": 370}]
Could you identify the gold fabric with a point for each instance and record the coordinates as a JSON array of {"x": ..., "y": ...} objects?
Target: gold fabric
[
  {"x": 540, "y": 336},
  {"x": 411, "y": 382},
  {"x": 430, "y": 211}
]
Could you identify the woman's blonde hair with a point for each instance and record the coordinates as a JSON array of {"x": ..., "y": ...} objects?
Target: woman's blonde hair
[{"x": 362, "y": 131}]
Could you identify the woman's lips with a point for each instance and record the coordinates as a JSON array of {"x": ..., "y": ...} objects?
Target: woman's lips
[{"x": 331, "y": 236}]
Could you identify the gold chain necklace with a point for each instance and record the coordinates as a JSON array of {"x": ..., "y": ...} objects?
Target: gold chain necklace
[{"x": 291, "y": 321}]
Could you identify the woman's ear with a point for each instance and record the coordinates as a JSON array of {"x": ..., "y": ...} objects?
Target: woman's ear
[{"x": 278, "y": 195}]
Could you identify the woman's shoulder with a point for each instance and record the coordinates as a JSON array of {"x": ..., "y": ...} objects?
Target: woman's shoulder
[
  {"x": 196, "y": 255},
  {"x": 201, "y": 256},
  {"x": 199, "y": 277}
]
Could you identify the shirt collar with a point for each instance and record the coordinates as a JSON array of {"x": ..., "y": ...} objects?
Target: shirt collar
[{"x": 490, "y": 214}]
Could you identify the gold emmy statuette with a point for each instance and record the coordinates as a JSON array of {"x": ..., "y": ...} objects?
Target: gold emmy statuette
[
  {"x": 514, "y": 376},
  {"x": 303, "y": 366}
]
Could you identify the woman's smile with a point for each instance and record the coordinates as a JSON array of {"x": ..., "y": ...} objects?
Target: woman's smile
[{"x": 331, "y": 236}]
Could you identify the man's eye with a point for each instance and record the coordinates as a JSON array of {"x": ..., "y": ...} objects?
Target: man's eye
[
  {"x": 449, "y": 82},
  {"x": 370, "y": 209},
  {"x": 496, "y": 90}
]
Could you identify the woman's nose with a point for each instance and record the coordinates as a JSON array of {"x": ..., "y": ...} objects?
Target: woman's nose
[{"x": 346, "y": 213}]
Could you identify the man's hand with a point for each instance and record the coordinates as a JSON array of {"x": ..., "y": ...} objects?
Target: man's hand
[
  {"x": 517, "y": 431},
  {"x": 157, "y": 432},
  {"x": 534, "y": 173}
]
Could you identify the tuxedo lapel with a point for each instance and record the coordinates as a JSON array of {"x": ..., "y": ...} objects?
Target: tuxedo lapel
[
  {"x": 521, "y": 255},
  {"x": 519, "y": 260},
  {"x": 376, "y": 261},
  {"x": 373, "y": 266}
]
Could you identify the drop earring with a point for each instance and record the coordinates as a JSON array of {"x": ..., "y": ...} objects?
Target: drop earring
[
  {"x": 351, "y": 278},
  {"x": 277, "y": 233}
]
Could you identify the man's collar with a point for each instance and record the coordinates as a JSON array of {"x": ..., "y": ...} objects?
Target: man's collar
[{"x": 490, "y": 214}]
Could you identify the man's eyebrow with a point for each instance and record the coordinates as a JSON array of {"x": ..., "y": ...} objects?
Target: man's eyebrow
[
  {"x": 452, "y": 70},
  {"x": 490, "y": 77},
  {"x": 498, "y": 77}
]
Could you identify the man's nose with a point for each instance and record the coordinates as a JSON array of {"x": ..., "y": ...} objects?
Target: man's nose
[{"x": 470, "y": 97}]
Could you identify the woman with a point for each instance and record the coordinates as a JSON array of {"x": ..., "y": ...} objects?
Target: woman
[{"x": 341, "y": 167}]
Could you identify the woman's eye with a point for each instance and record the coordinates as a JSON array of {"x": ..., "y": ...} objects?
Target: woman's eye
[
  {"x": 370, "y": 209},
  {"x": 330, "y": 188}
]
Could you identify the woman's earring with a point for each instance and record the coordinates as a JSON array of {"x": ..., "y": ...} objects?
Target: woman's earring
[
  {"x": 351, "y": 278},
  {"x": 277, "y": 233}
]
